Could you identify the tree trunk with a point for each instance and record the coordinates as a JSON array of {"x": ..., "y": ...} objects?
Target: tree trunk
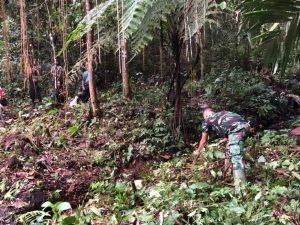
[
  {"x": 25, "y": 51},
  {"x": 51, "y": 36},
  {"x": 143, "y": 60},
  {"x": 161, "y": 53},
  {"x": 8, "y": 68},
  {"x": 65, "y": 53},
  {"x": 176, "y": 48},
  {"x": 125, "y": 74},
  {"x": 200, "y": 42},
  {"x": 89, "y": 43}
]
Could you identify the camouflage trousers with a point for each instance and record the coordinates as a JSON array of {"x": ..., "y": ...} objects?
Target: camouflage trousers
[{"x": 236, "y": 148}]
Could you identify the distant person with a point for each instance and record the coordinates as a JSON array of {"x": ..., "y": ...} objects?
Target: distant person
[
  {"x": 3, "y": 100},
  {"x": 84, "y": 92},
  {"x": 233, "y": 127},
  {"x": 57, "y": 73},
  {"x": 34, "y": 90},
  {"x": 3, "y": 103}
]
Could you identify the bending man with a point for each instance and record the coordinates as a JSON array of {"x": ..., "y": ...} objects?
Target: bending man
[{"x": 233, "y": 127}]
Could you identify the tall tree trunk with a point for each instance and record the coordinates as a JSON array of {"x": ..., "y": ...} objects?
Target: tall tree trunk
[
  {"x": 176, "y": 48},
  {"x": 8, "y": 68},
  {"x": 51, "y": 37},
  {"x": 38, "y": 26},
  {"x": 127, "y": 94},
  {"x": 65, "y": 53},
  {"x": 25, "y": 45},
  {"x": 143, "y": 60},
  {"x": 89, "y": 43},
  {"x": 199, "y": 40},
  {"x": 201, "y": 46},
  {"x": 161, "y": 53}
]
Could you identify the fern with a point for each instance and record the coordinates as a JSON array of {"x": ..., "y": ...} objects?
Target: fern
[
  {"x": 34, "y": 217},
  {"x": 142, "y": 17},
  {"x": 275, "y": 24},
  {"x": 150, "y": 21},
  {"x": 87, "y": 22},
  {"x": 135, "y": 11}
]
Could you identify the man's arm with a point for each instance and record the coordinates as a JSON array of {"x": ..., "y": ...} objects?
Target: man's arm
[{"x": 202, "y": 143}]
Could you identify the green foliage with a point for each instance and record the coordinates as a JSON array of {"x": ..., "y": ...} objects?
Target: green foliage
[
  {"x": 74, "y": 129},
  {"x": 57, "y": 209},
  {"x": 41, "y": 217},
  {"x": 60, "y": 142},
  {"x": 87, "y": 22},
  {"x": 276, "y": 138},
  {"x": 141, "y": 18},
  {"x": 275, "y": 25},
  {"x": 37, "y": 217},
  {"x": 10, "y": 192},
  {"x": 196, "y": 202},
  {"x": 154, "y": 135},
  {"x": 172, "y": 192},
  {"x": 244, "y": 92}
]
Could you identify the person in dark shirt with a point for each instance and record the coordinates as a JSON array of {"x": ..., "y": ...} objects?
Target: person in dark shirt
[
  {"x": 235, "y": 129},
  {"x": 57, "y": 73},
  {"x": 84, "y": 93},
  {"x": 3, "y": 100},
  {"x": 34, "y": 90}
]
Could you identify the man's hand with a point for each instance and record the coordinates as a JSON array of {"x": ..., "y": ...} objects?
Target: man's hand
[
  {"x": 197, "y": 154},
  {"x": 201, "y": 145}
]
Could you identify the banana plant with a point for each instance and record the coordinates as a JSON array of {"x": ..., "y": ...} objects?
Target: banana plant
[{"x": 275, "y": 26}]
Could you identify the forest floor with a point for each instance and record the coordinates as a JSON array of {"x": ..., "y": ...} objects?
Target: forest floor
[{"x": 125, "y": 168}]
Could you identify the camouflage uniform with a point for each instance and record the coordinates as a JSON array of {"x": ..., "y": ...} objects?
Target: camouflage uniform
[{"x": 233, "y": 126}]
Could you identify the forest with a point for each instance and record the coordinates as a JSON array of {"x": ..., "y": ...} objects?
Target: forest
[{"x": 149, "y": 112}]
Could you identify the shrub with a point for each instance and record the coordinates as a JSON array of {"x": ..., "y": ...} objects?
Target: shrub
[{"x": 244, "y": 92}]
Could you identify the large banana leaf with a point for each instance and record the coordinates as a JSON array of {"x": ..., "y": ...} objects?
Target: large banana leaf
[{"x": 278, "y": 21}]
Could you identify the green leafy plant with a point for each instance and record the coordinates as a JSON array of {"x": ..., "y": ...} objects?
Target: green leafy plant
[
  {"x": 10, "y": 192},
  {"x": 74, "y": 129},
  {"x": 41, "y": 217},
  {"x": 276, "y": 138},
  {"x": 37, "y": 217},
  {"x": 229, "y": 89},
  {"x": 57, "y": 209}
]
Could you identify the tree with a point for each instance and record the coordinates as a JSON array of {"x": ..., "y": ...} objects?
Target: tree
[
  {"x": 63, "y": 11},
  {"x": 182, "y": 19},
  {"x": 8, "y": 68},
  {"x": 89, "y": 43},
  {"x": 25, "y": 45},
  {"x": 140, "y": 21},
  {"x": 127, "y": 94}
]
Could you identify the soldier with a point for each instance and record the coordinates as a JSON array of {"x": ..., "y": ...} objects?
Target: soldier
[
  {"x": 57, "y": 73},
  {"x": 233, "y": 127}
]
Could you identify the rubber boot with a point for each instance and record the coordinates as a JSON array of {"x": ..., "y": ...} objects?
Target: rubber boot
[{"x": 239, "y": 178}]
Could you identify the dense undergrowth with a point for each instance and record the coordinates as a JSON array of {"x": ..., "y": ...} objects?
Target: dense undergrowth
[
  {"x": 255, "y": 97},
  {"x": 127, "y": 168}
]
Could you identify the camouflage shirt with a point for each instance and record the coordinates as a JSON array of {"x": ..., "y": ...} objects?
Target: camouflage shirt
[{"x": 224, "y": 123}]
